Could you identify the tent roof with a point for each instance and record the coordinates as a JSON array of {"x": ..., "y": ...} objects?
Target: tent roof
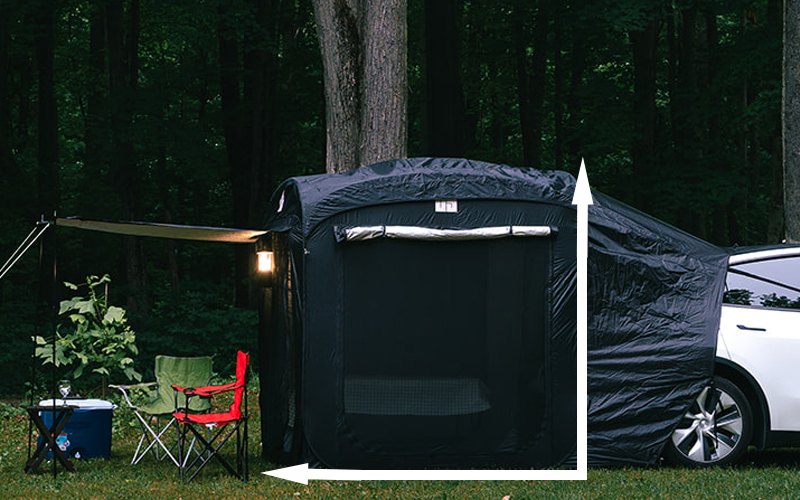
[{"x": 302, "y": 202}]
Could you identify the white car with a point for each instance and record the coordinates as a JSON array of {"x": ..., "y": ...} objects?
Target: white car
[{"x": 755, "y": 396}]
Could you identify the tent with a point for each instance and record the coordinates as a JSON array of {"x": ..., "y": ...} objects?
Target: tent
[{"x": 424, "y": 315}]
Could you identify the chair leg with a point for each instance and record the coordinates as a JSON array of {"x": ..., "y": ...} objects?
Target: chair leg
[
  {"x": 211, "y": 449},
  {"x": 181, "y": 461},
  {"x": 153, "y": 438}
]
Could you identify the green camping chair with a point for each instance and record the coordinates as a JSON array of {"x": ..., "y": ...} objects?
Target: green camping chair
[{"x": 169, "y": 371}]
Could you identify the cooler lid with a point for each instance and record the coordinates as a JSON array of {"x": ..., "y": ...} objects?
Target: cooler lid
[{"x": 83, "y": 404}]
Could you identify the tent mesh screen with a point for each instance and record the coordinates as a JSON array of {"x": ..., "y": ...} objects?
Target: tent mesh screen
[{"x": 462, "y": 357}]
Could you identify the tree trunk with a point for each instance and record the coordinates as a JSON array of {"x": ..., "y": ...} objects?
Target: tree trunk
[
  {"x": 687, "y": 119},
  {"x": 247, "y": 88},
  {"x": 574, "y": 103},
  {"x": 48, "y": 192},
  {"x": 6, "y": 158},
  {"x": 96, "y": 122},
  {"x": 123, "y": 71},
  {"x": 363, "y": 46},
  {"x": 531, "y": 85},
  {"x": 558, "y": 88},
  {"x": 443, "y": 117},
  {"x": 776, "y": 225},
  {"x": 643, "y": 43},
  {"x": 791, "y": 119}
]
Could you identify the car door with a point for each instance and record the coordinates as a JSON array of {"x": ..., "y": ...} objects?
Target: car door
[{"x": 760, "y": 328}]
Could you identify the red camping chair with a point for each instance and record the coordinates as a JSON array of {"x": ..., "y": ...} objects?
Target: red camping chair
[{"x": 234, "y": 417}]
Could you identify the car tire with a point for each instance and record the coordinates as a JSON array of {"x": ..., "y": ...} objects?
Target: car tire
[{"x": 716, "y": 429}]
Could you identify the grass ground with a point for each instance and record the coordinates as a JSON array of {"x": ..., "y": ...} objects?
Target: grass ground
[{"x": 771, "y": 475}]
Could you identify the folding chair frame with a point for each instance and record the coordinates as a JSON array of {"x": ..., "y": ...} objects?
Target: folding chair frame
[
  {"x": 214, "y": 443},
  {"x": 210, "y": 449},
  {"x": 152, "y": 436}
]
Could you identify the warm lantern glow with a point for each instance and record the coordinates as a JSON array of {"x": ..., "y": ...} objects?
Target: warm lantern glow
[{"x": 266, "y": 261}]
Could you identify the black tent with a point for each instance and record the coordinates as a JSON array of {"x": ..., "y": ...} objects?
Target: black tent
[{"x": 425, "y": 316}]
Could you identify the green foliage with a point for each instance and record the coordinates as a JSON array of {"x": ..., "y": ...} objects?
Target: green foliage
[
  {"x": 780, "y": 302},
  {"x": 17, "y": 325},
  {"x": 10, "y": 410},
  {"x": 93, "y": 335},
  {"x": 739, "y": 297},
  {"x": 198, "y": 322}
]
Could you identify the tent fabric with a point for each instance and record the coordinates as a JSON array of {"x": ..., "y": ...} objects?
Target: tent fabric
[
  {"x": 441, "y": 352},
  {"x": 160, "y": 230},
  {"x": 655, "y": 296}
]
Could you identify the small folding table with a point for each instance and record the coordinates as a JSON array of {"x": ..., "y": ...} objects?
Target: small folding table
[{"x": 47, "y": 443}]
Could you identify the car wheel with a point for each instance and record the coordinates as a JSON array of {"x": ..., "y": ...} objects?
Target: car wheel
[{"x": 715, "y": 430}]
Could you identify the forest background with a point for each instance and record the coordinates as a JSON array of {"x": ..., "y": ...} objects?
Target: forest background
[{"x": 191, "y": 112}]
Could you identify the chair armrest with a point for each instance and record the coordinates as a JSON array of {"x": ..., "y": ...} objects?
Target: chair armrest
[
  {"x": 135, "y": 386},
  {"x": 125, "y": 388},
  {"x": 206, "y": 391}
]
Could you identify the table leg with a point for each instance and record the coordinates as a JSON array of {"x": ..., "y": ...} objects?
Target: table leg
[{"x": 49, "y": 436}]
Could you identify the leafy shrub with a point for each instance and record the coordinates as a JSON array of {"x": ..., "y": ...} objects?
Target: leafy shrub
[{"x": 92, "y": 334}]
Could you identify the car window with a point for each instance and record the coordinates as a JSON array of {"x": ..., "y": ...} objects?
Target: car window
[{"x": 765, "y": 283}]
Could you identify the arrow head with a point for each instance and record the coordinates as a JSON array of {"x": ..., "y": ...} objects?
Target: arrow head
[
  {"x": 296, "y": 473},
  {"x": 583, "y": 193}
]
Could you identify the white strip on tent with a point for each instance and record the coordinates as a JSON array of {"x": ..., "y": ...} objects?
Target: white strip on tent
[
  {"x": 363, "y": 233},
  {"x": 170, "y": 231}
]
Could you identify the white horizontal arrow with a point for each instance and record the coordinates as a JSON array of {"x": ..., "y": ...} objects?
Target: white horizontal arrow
[{"x": 302, "y": 474}]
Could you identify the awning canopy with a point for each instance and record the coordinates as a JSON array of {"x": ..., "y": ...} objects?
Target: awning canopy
[{"x": 170, "y": 231}]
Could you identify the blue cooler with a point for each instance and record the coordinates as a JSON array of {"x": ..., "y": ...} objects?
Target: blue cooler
[{"x": 88, "y": 431}]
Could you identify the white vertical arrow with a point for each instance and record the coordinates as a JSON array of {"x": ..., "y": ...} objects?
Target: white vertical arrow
[
  {"x": 582, "y": 198},
  {"x": 302, "y": 474}
]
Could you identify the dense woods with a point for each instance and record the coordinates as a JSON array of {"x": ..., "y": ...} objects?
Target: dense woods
[{"x": 191, "y": 112}]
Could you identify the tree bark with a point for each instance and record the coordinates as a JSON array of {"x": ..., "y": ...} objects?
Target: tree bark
[
  {"x": 643, "y": 43},
  {"x": 791, "y": 119},
  {"x": 531, "y": 84},
  {"x": 574, "y": 103},
  {"x": 688, "y": 119},
  {"x": 48, "y": 192},
  {"x": 443, "y": 117},
  {"x": 96, "y": 138},
  {"x": 123, "y": 74},
  {"x": 247, "y": 89},
  {"x": 6, "y": 158},
  {"x": 776, "y": 225},
  {"x": 363, "y": 46}
]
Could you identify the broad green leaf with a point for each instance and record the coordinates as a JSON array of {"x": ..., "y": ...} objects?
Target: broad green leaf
[
  {"x": 115, "y": 314},
  {"x": 64, "y": 306},
  {"x": 85, "y": 307}
]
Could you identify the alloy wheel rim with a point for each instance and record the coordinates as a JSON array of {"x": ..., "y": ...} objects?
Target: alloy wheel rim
[{"x": 711, "y": 428}]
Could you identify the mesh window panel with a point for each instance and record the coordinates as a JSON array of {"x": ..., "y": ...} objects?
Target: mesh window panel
[{"x": 444, "y": 344}]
